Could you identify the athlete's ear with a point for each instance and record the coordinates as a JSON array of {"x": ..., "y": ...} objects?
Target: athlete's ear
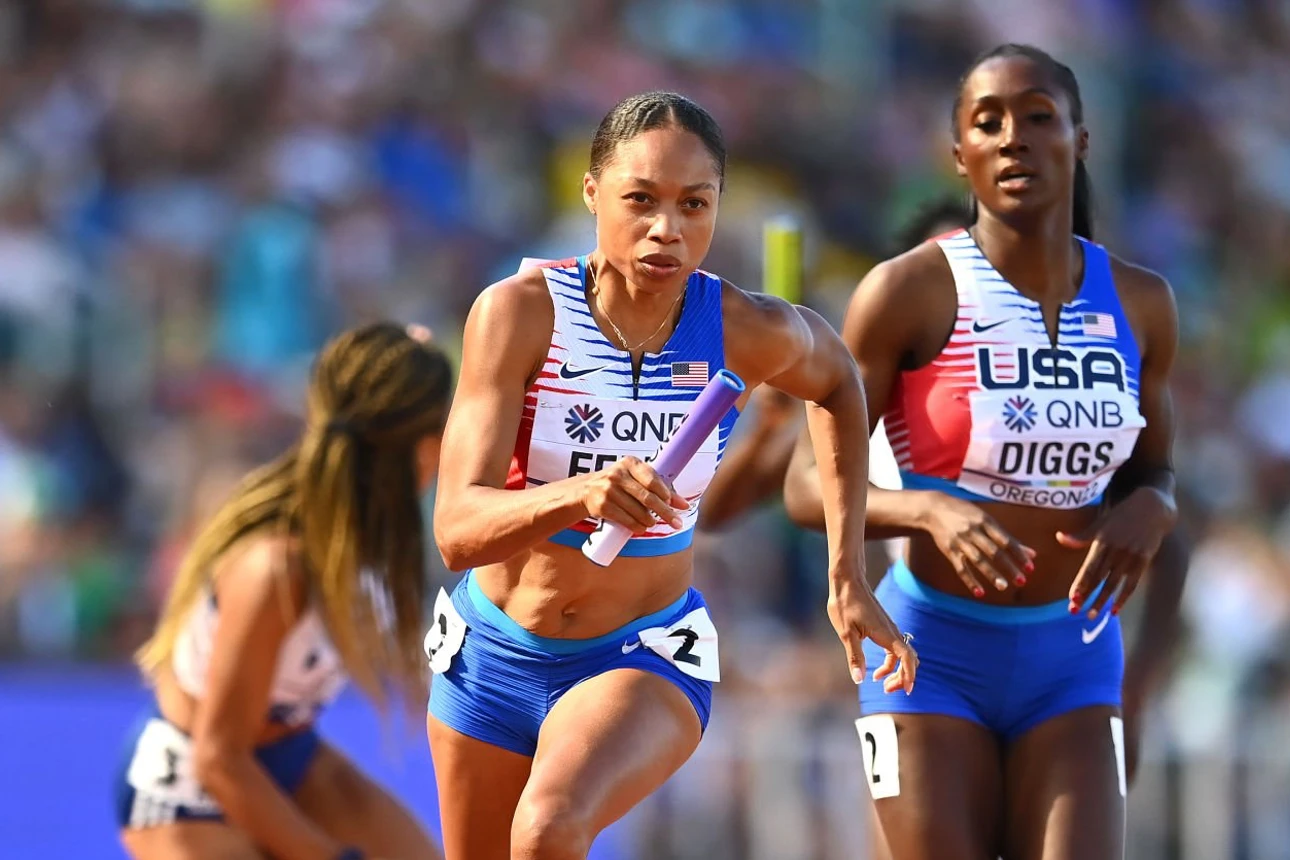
[
  {"x": 1081, "y": 142},
  {"x": 959, "y": 167},
  {"x": 590, "y": 191}
]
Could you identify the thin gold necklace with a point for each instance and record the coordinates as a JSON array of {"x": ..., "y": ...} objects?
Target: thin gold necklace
[{"x": 595, "y": 292}]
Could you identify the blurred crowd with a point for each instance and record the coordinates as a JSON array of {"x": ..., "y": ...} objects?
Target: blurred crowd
[{"x": 195, "y": 193}]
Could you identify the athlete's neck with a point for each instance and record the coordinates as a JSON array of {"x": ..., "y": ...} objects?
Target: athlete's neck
[
  {"x": 635, "y": 310},
  {"x": 1039, "y": 257}
]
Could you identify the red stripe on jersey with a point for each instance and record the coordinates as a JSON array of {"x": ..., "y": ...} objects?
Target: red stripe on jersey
[{"x": 517, "y": 476}]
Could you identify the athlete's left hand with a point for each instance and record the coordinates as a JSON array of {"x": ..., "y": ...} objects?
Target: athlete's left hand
[
  {"x": 1121, "y": 543},
  {"x": 857, "y": 615}
]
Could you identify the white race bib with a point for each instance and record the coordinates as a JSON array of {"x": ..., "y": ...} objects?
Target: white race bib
[
  {"x": 1048, "y": 448},
  {"x": 690, "y": 644},
  {"x": 447, "y": 632},
  {"x": 162, "y": 769},
  {"x": 881, "y": 754},
  {"x": 574, "y": 434}
]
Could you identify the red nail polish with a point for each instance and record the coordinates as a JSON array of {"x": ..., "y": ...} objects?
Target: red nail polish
[
  {"x": 1021, "y": 582},
  {"x": 1030, "y": 567},
  {"x": 1074, "y": 609},
  {"x": 978, "y": 592}
]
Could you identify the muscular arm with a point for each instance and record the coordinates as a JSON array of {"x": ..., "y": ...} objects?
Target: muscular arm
[
  {"x": 879, "y": 329},
  {"x": 1151, "y": 302},
  {"x": 476, "y": 520},
  {"x": 258, "y": 603},
  {"x": 797, "y": 352}
]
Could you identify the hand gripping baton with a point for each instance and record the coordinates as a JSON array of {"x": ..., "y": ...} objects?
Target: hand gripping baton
[{"x": 706, "y": 412}]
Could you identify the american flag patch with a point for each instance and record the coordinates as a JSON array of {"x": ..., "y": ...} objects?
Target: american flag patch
[
  {"x": 1098, "y": 325},
  {"x": 689, "y": 373}
]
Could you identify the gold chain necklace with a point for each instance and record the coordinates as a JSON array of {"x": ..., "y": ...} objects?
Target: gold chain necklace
[{"x": 595, "y": 292}]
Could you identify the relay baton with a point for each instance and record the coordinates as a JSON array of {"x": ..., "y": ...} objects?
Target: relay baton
[{"x": 706, "y": 412}]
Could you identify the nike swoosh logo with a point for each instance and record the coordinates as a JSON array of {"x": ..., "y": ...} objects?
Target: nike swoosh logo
[
  {"x": 567, "y": 372},
  {"x": 978, "y": 327},
  {"x": 1089, "y": 635},
  {"x": 629, "y": 647}
]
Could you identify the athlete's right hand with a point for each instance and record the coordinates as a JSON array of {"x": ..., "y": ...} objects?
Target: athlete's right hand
[
  {"x": 632, "y": 494},
  {"x": 983, "y": 554}
]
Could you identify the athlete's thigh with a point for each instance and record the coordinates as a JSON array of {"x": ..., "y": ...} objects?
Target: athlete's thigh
[
  {"x": 1062, "y": 789},
  {"x": 950, "y": 788},
  {"x": 479, "y": 787},
  {"x": 355, "y": 811},
  {"x": 607, "y": 744},
  {"x": 190, "y": 840}
]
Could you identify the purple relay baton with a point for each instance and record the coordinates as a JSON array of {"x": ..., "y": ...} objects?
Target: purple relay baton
[{"x": 706, "y": 412}]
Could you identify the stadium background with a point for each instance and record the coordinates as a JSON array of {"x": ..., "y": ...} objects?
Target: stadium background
[{"x": 193, "y": 195}]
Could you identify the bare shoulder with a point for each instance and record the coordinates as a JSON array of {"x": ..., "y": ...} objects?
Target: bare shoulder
[
  {"x": 756, "y": 314},
  {"x": 262, "y": 566},
  {"x": 509, "y": 327},
  {"x": 763, "y": 333},
  {"x": 521, "y": 296},
  {"x": 920, "y": 274},
  {"x": 1146, "y": 290}
]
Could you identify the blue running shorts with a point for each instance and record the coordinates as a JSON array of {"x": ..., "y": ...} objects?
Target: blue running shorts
[
  {"x": 500, "y": 681},
  {"x": 1008, "y": 669}
]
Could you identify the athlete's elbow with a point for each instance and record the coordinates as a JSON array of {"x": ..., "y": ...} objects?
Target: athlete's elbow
[
  {"x": 453, "y": 531},
  {"x": 462, "y": 547},
  {"x": 454, "y": 546}
]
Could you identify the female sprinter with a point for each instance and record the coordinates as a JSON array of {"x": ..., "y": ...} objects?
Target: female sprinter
[
  {"x": 311, "y": 571},
  {"x": 1018, "y": 367},
  {"x": 567, "y": 692}
]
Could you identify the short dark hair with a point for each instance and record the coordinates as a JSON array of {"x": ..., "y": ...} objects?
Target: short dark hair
[{"x": 639, "y": 113}]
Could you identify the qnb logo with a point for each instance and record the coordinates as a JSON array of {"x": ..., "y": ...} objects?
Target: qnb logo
[
  {"x": 1019, "y": 414},
  {"x": 584, "y": 424}
]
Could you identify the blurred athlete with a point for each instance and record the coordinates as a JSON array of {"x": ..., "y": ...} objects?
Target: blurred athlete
[
  {"x": 567, "y": 692},
  {"x": 312, "y": 571},
  {"x": 1019, "y": 367}
]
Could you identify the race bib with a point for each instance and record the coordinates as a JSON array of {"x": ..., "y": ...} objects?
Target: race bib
[
  {"x": 1048, "y": 448},
  {"x": 577, "y": 434},
  {"x": 881, "y": 754},
  {"x": 447, "y": 632},
  {"x": 690, "y": 644},
  {"x": 162, "y": 769}
]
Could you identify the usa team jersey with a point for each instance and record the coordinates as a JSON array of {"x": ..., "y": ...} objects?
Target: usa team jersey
[
  {"x": 1002, "y": 414},
  {"x": 585, "y": 410}
]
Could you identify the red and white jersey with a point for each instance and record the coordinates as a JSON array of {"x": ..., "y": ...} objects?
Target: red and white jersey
[{"x": 1003, "y": 414}]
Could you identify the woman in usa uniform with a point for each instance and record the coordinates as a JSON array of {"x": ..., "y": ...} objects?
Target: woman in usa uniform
[
  {"x": 566, "y": 692},
  {"x": 1018, "y": 367}
]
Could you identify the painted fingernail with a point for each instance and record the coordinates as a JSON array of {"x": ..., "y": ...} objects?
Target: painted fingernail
[
  {"x": 857, "y": 675},
  {"x": 1030, "y": 567},
  {"x": 1074, "y": 608},
  {"x": 978, "y": 592},
  {"x": 1115, "y": 611},
  {"x": 1001, "y": 583},
  {"x": 1021, "y": 581}
]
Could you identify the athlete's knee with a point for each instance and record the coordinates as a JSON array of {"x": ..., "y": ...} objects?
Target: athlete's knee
[{"x": 548, "y": 827}]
